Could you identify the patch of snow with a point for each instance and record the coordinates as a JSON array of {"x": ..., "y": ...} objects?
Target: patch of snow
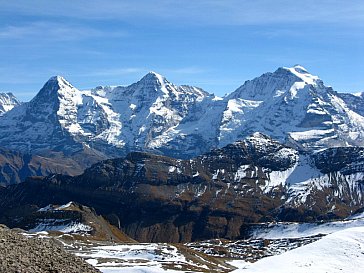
[
  {"x": 46, "y": 208},
  {"x": 65, "y": 206},
  {"x": 302, "y": 73},
  {"x": 149, "y": 258},
  {"x": 171, "y": 169},
  {"x": 310, "y": 134},
  {"x": 52, "y": 225},
  {"x": 299, "y": 230},
  {"x": 338, "y": 252}
]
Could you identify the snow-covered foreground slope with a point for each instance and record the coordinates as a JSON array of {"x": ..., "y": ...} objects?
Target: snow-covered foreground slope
[
  {"x": 289, "y": 244},
  {"x": 148, "y": 258},
  {"x": 153, "y": 114},
  {"x": 298, "y": 230},
  {"x": 342, "y": 251}
]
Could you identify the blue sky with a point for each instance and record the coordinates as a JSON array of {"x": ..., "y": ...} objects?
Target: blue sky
[{"x": 213, "y": 44}]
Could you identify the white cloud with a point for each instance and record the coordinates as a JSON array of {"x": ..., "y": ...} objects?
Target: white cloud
[
  {"x": 210, "y": 12},
  {"x": 54, "y": 32},
  {"x": 185, "y": 70},
  {"x": 112, "y": 72}
]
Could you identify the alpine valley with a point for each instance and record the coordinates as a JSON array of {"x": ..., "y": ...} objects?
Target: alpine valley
[{"x": 175, "y": 164}]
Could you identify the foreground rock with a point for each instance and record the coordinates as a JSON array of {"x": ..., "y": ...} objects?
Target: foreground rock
[{"x": 21, "y": 254}]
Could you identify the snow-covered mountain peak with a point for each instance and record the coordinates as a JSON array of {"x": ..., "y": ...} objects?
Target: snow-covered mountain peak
[
  {"x": 60, "y": 100},
  {"x": 7, "y": 102},
  {"x": 59, "y": 81},
  {"x": 53, "y": 88},
  {"x": 56, "y": 78},
  {"x": 154, "y": 78},
  {"x": 266, "y": 86},
  {"x": 284, "y": 82},
  {"x": 148, "y": 88},
  {"x": 298, "y": 68},
  {"x": 293, "y": 102},
  {"x": 154, "y": 75},
  {"x": 302, "y": 73},
  {"x": 8, "y": 95},
  {"x": 359, "y": 94}
]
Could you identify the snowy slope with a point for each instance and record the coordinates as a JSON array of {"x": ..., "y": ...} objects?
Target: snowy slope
[
  {"x": 150, "y": 108},
  {"x": 299, "y": 230},
  {"x": 338, "y": 252},
  {"x": 149, "y": 258},
  {"x": 7, "y": 102}
]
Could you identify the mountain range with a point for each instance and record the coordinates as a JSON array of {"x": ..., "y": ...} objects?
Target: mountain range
[{"x": 290, "y": 105}]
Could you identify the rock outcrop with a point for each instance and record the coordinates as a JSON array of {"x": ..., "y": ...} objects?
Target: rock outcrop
[{"x": 20, "y": 254}]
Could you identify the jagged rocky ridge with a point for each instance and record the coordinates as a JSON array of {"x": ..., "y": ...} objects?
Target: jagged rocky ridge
[
  {"x": 290, "y": 105},
  {"x": 215, "y": 195}
]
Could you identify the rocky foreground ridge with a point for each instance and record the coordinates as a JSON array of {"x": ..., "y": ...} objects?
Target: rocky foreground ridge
[
  {"x": 154, "y": 198},
  {"x": 20, "y": 254}
]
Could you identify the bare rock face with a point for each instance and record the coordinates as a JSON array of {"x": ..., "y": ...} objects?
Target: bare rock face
[
  {"x": 348, "y": 160},
  {"x": 20, "y": 254}
]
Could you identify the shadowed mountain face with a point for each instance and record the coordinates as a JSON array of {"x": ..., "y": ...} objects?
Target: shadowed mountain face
[
  {"x": 15, "y": 167},
  {"x": 161, "y": 199}
]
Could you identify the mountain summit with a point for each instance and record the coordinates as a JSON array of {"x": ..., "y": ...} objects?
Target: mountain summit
[
  {"x": 303, "y": 74},
  {"x": 153, "y": 77},
  {"x": 274, "y": 84}
]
